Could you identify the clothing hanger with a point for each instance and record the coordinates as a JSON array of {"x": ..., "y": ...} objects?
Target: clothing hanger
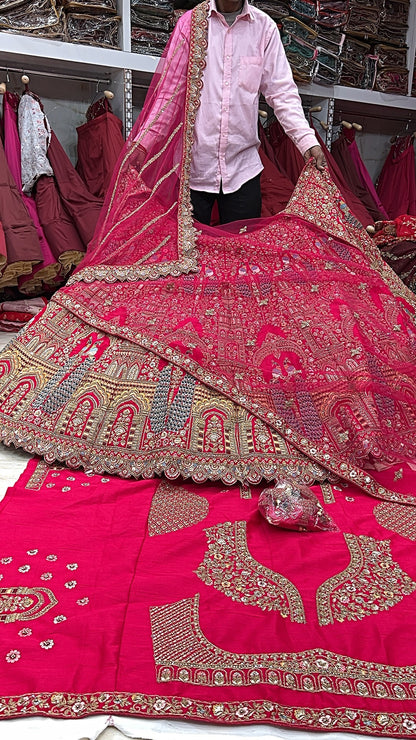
[
  {"x": 403, "y": 133},
  {"x": 3, "y": 88}
]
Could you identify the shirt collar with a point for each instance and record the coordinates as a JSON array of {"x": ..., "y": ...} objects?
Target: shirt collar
[{"x": 245, "y": 10}]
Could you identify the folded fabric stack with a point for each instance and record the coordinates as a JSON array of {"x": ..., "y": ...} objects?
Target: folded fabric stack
[
  {"x": 93, "y": 22},
  {"x": 332, "y": 14},
  {"x": 299, "y": 41},
  {"x": 392, "y": 73},
  {"x": 151, "y": 24},
  {"x": 394, "y": 22},
  {"x": 39, "y": 18},
  {"x": 15, "y": 314},
  {"x": 276, "y": 9},
  {"x": 359, "y": 64},
  {"x": 382, "y": 25},
  {"x": 148, "y": 42}
]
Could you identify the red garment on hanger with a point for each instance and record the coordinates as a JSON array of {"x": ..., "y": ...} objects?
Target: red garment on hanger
[
  {"x": 81, "y": 206},
  {"x": 58, "y": 226},
  {"x": 340, "y": 151},
  {"x": 47, "y": 271},
  {"x": 22, "y": 241},
  {"x": 100, "y": 142},
  {"x": 287, "y": 155},
  {"x": 356, "y": 206},
  {"x": 397, "y": 181},
  {"x": 276, "y": 188}
]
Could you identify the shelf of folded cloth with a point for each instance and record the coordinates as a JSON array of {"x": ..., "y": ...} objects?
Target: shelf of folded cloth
[
  {"x": 152, "y": 21},
  {"x": 299, "y": 41},
  {"x": 34, "y": 17},
  {"x": 93, "y": 22},
  {"x": 43, "y": 54}
]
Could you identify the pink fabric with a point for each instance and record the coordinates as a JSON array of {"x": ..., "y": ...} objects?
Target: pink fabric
[
  {"x": 241, "y": 60},
  {"x": 155, "y": 599},
  {"x": 397, "y": 182},
  {"x": 12, "y": 151}
]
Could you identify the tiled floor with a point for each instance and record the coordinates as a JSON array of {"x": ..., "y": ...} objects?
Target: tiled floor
[{"x": 12, "y": 464}]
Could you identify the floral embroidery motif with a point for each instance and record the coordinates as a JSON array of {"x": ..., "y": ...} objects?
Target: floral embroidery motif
[
  {"x": 47, "y": 644},
  {"x": 183, "y": 653},
  {"x": 66, "y": 705},
  {"x": 25, "y": 632},
  {"x": 397, "y": 518},
  {"x": 23, "y": 604},
  {"x": 174, "y": 508},
  {"x": 229, "y": 567},
  {"x": 13, "y": 656},
  {"x": 371, "y": 583}
]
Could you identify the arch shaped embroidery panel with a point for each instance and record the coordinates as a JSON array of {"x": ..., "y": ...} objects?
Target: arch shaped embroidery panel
[
  {"x": 365, "y": 586},
  {"x": 23, "y": 604},
  {"x": 229, "y": 567}
]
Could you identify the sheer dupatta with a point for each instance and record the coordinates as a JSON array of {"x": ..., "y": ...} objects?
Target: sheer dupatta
[{"x": 146, "y": 228}]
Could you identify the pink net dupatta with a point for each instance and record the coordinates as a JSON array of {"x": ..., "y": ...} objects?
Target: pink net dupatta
[{"x": 146, "y": 228}]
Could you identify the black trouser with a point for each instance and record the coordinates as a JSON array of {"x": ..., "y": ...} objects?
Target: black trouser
[{"x": 244, "y": 203}]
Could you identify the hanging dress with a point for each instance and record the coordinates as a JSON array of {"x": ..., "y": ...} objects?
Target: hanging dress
[
  {"x": 100, "y": 141},
  {"x": 362, "y": 171},
  {"x": 44, "y": 274},
  {"x": 37, "y": 175},
  {"x": 396, "y": 184},
  {"x": 340, "y": 151},
  {"x": 22, "y": 241}
]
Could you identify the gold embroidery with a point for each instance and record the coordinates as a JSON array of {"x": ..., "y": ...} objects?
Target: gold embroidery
[
  {"x": 327, "y": 493},
  {"x": 211, "y": 438},
  {"x": 398, "y": 518},
  {"x": 38, "y": 477},
  {"x": 229, "y": 567},
  {"x": 183, "y": 653},
  {"x": 174, "y": 508},
  {"x": 371, "y": 583},
  {"x": 245, "y": 491},
  {"x": 23, "y": 604},
  {"x": 66, "y": 705}
]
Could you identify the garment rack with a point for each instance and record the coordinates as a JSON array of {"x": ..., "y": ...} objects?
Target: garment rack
[{"x": 59, "y": 75}]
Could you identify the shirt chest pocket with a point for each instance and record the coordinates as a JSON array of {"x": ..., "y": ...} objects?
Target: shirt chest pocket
[{"x": 250, "y": 71}]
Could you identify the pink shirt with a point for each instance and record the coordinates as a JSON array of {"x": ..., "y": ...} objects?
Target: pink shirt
[{"x": 243, "y": 60}]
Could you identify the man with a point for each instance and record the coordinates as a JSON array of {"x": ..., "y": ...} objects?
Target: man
[{"x": 245, "y": 57}]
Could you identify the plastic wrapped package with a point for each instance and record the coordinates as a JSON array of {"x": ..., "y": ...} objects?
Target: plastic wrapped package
[
  {"x": 331, "y": 40},
  {"x": 363, "y": 21},
  {"x": 277, "y": 11},
  {"x": 305, "y": 9},
  {"x": 148, "y": 42},
  {"x": 392, "y": 80},
  {"x": 328, "y": 68},
  {"x": 150, "y": 22},
  {"x": 291, "y": 505},
  {"x": 31, "y": 16},
  {"x": 90, "y": 6},
  {"x": 97, "y": 30}
]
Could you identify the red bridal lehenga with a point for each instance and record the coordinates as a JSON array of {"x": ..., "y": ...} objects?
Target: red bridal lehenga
[{"x": 283, "y": 349}]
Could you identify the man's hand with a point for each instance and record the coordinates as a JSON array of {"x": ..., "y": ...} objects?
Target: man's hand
[{"x": 318, "y": 155}]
